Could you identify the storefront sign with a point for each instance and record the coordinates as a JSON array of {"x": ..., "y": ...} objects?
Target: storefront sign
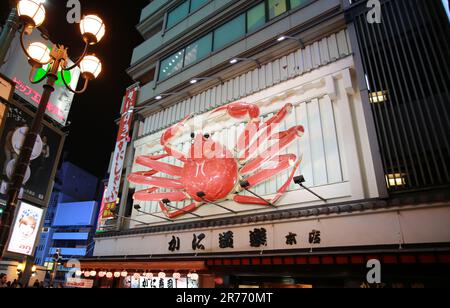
[
  {"x": 163, "y": 283},
  {"x": 37, "y": 184},
  {"x": 17, "y": 68},
  {"x": 79, "y": 283},
  {"x": 369, "y": 228},
  {"x": 25, "y": 230}
]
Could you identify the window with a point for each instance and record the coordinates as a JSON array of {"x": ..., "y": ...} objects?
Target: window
[
  {"x": 182, "y": 11},
  {"x": 171, "y": 65},
  {"x": 256, "y": 17},
  {"x": 229, "y": 32},
  {"x": 196, "y": 4},
  {"x": 178, "y": 14},
  {"x": 198, "y": 50},
  {"x": 276, "y": 8},
  {"x": 295, "y": 3}
]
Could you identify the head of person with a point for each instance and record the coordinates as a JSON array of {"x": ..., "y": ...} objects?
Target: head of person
[
  {"x": 3, "y": 278},
  {"x": 27, "y": 225}
]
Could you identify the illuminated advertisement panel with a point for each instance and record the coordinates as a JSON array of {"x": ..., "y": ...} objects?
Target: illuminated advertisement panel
[
  {"x": 25, "y": 230},
  {"x": 17, "y": 69}
]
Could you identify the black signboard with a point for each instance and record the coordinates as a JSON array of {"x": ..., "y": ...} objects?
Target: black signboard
[{"x": 46, "y": 154}]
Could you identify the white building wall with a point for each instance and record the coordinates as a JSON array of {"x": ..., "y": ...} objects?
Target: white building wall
[
  {"x": 333, "y": 148},
  {"x": 321, "y": 53}
]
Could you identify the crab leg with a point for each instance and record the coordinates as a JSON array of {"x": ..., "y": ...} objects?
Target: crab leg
[
  {"x": 285, "y": 139},
  {"x": 149, "y": 195},
  {"x": 143, "y": 179},
  {"x": 240, "y": 110},
  {"x": 266, "y": 129},
  {"x": 177, "y": 213},
  {"x": 284, "y": 162},
  {"x": 169, "y": 169},
  {"x": 171, "y": 134},
  {"x": 280, "y": 192}
]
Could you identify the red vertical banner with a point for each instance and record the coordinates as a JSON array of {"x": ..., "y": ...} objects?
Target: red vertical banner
[{"x": 111, "y": 194}]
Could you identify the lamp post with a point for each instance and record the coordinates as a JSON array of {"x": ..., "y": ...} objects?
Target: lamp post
[{"x": 32, "y": 14}]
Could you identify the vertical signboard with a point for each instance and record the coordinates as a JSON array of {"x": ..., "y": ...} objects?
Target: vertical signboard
[
  {"x": 18, "y": 69},
  {"x": 25, "y": 229},
  {"x": 112, "y": 191}
]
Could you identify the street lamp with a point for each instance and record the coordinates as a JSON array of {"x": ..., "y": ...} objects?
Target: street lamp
[
  {"x": 32, "y": 11},
  {"x": 92, "y": 28}
]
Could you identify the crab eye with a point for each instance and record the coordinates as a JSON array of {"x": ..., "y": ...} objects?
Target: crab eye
[
  {"x": 192, "y": 135},
  {"x": 206, "y": 136}
]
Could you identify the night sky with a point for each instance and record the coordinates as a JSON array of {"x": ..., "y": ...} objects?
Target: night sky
[{"x": 93, "y": 132}]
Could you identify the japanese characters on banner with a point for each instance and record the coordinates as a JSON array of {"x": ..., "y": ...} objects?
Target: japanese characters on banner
[
  {"x": 79, "y": 283},
  {"x": 112, "y": 192},
  {"x": 26, "y": 226},
  {"x": 132, "y": 282}
]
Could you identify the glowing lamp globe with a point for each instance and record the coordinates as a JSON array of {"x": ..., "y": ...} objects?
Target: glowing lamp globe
[
  {"x": 149, "y": 275},
  {"x": 109, "y": 275},
  {"x": 194, "y": 276},
  {"x": 78, "y": 273},
  {"x": 90, "y": 67},
  {"x": 162, "y": 275},
  {"x": 124, "y": 274},
  {"x": 39, "y": 52},
  {"x": 101, "y": 274},
  {"x": 176, "y": 276},
  {"x": 32, "y": 11},
  {"x": 87, "y": 274},
  {"x": 93, "y": 273},
  {"x": 92, "y": 28},
  {"x": 137, "y": 276},
  {"x": 117, "y": 274}
]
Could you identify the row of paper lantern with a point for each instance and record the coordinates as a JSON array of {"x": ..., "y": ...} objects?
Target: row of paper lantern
[{"x": 101, "y": 274}]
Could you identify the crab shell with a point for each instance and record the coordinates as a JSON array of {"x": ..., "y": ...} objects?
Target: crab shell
[{"x": 211, "y": 169}]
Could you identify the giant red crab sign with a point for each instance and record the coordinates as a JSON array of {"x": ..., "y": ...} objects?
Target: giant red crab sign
[{"x": 213, "y": 173}]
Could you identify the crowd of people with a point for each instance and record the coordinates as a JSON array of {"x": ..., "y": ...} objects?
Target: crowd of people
[{"x": 5, "y": 284}]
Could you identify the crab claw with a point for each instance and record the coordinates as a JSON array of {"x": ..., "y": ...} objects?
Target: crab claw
[
  {"x": 171, "y": 134},
  {"x": 174, "y": 131},
  {"x": 239, "y": 110}
]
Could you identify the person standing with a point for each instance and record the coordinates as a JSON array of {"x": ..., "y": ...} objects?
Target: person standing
[{"x": 3, "y": 281}]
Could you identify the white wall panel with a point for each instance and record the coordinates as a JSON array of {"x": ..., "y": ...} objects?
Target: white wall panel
[{"x": 303, "y": 60}]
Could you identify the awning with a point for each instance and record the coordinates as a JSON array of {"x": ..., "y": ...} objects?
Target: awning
[{"x": 142, "y": 265}]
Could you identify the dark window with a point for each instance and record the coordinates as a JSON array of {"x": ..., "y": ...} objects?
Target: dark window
[
  {"x": 171, "y": 65},
  {"x": 295, "y": 3},
  {"x": 256, "y": 17},
  {"x": 198, "y": 50},
  {"x": 178, "y": 14},
  {"x": 196, "y": 4},
  {"x": 229, "y": 32},
  {"x": 276, "y": 8}
]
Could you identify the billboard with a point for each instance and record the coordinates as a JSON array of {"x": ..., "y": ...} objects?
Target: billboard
[
  {"x": 25, "y": 229},
  {"x": 39, "y": 177},
  {"x": 75, "y": 214},
  {"x": 18, "y": 69}
]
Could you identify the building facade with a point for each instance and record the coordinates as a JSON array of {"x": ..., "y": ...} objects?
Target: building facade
[
  {"x": 71, "y": 216},
  {"x": 373, "y": 102}
]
